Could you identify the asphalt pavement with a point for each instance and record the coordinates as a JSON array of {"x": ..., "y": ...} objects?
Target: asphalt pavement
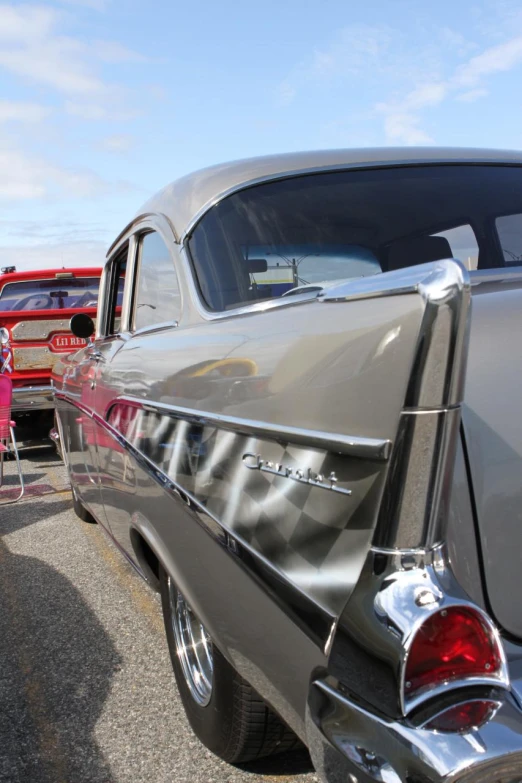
[{"x": 87, "y": 693}]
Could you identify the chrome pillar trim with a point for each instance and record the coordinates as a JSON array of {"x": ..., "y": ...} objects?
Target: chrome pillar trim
[
  {"x": 414, "y": 509},
  {"x": 395, "y": 594},
  {"x": 365, "y": 448},
  {"x": 415, "y": 502},
  {"x": 438, "y": 372},
  {"x": 349, "y": 743}
]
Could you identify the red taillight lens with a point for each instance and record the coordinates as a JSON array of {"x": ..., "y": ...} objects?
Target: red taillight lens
[
  {"x": 452, "y": 644},
  {"x": 463, "y": 717}
]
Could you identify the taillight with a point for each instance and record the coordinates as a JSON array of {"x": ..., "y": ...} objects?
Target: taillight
[
  {"x": 463, "y": 717},
  {"x": 452, "y": 644}
]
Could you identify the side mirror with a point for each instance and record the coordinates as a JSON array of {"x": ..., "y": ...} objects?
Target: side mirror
[{"x": 82, "y": 325}]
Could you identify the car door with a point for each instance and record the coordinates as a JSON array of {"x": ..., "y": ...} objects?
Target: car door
[{"x": 154, "y": 305}]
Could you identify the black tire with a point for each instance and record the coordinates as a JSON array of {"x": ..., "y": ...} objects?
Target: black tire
[
  {"x": 236, "y": 724},
  {"x": 80, "y": 510}
]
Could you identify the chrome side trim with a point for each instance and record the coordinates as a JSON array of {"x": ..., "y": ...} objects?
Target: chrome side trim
[
  {"x": 29, "y": 398},
  {"x": 365, "y": 448},
  {"x": 312, "y": 618}
]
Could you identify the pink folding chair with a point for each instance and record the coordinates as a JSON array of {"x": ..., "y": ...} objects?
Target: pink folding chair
[{"x": 7, "y": 436}]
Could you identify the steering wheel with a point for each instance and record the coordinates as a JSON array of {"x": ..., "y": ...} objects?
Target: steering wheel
[{"x": 38, "y": 299}]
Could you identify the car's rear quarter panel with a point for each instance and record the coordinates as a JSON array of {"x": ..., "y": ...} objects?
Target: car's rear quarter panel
[{"x": 267, "y": 567}]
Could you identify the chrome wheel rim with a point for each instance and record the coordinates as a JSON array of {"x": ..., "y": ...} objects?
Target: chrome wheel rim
[{"x": 193, "y": 647}]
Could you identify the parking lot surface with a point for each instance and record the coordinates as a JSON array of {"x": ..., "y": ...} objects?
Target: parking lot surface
[{"x": 86, "y": 686}]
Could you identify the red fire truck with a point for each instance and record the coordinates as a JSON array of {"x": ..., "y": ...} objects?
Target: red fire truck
[{"x": 35, "y": 309}]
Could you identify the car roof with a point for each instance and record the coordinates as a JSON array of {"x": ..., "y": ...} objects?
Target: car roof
[{"x": 187, "y": 199}]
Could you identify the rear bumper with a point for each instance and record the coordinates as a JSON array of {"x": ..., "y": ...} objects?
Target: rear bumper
[
  {"x": 348, "y": 743},
  {"x": 32, "y": 398}
]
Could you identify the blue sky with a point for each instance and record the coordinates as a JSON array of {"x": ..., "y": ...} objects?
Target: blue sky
[{"x": 102, "y": 102}]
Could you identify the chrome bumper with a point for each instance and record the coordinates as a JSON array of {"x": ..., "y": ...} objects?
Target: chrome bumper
[
  {"x": 349, "y": 744},
  {"x": 32, "y": 398}
]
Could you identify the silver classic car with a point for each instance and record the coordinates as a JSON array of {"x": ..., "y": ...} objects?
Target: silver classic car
[{"x": 305, "y": 432}]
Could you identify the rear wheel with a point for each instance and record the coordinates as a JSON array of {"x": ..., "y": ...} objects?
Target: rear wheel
[
  {"x": 80, "y": 510},
  {"x": 225, "y": 712}
]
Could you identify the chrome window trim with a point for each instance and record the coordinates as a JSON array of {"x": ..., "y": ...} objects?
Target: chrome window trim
[
  {"x": 160, "y": 225},
  {"x": 363, "y": 448},
  {"x": 336, "y": 167},
  {"x": 212, "y": 315},
  {"x": 102, "y": 319},
  {"x": 130, "y": 228}
]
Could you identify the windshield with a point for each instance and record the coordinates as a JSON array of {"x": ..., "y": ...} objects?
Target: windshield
[
  {"x": 76, "y": 293},
  {"x": 313, "y": 229}
]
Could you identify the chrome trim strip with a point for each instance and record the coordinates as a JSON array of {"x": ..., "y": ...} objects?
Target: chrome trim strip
[
  {"x": 364, "y": 448},
  {"x": 507, "y": 274},
  {"x": 415, "y": 501},
  {"x": 414, "y": 508},
  {"x": 32, "y": 398},
  {"x": 311, "y": 617}
]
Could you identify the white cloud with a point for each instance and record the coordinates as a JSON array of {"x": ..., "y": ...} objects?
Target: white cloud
[
  {"x": 98, "y": 111},
  {"x": 32, "y": 47},
  {"x": 402, "y": 119},
  {"x": 114, "y": 52},
  {"x": 42, "y": 256},
  {"x": 94, "y": 5},
  {"x": 22, "y": 112},
  {"x": 24, "y": 176},
  {"x": 458, "y": 42},
  {"x": 118, "y": 142},
  {"x": 403, "y": 128},
  {"x": 285, "y": 93},
  {"x": 354, "y": 50},
  {"x": 472, "y": 95},
  {"x": 496, "y": 59}
]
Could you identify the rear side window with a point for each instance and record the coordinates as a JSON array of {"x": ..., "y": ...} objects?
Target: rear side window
[
  {"x": 463, "y": 245},
  {"x": 77, "y": 293},
  {"x": 157, "y": 297},
  {"x": 272, "y": 238},
  {"x": 509, "y": 229}
]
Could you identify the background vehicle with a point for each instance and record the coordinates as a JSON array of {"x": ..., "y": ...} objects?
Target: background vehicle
[
  {"x": 337, "y": 546},
  {"x": 35, "y": 309}
]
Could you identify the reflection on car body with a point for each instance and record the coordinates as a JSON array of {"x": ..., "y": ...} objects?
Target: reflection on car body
[{"x": 310, "y": 462}]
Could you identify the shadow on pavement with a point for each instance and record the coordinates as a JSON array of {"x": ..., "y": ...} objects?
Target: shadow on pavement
[
  {"x": 297, "y": 762},
  {"x": 57, "y": 663},
  {"x": 20, "y": 515}
]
